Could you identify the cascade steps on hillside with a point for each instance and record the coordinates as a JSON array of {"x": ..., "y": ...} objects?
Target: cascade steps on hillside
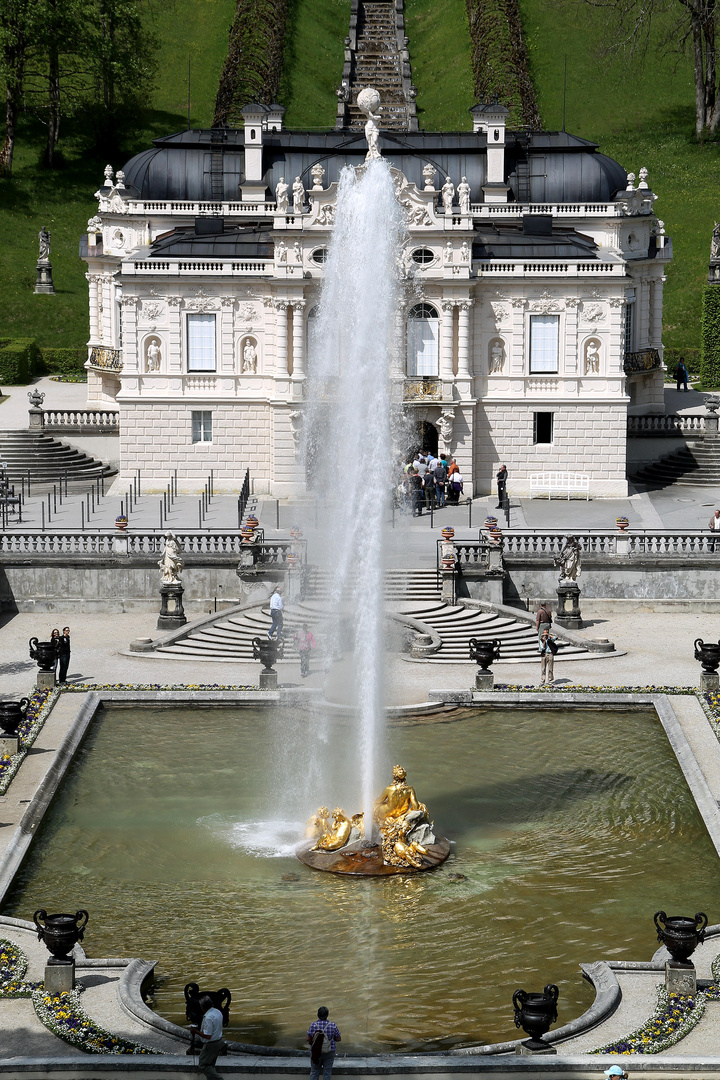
[
  {"x": 407, "y": 592},
  {"x": 695, "y": 464},
  {"x": 377, "y": 62},
  {"x": 46, "y": 459}
]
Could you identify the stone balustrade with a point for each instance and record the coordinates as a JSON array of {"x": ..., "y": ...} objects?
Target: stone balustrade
[
  {"x": 665, "y": 424},
  {"x": 273, "y": 553},
  {"x": 106, "y": 420}
]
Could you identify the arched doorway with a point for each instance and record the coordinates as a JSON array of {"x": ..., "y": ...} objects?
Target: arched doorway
[{"x": 423, "y": 436}]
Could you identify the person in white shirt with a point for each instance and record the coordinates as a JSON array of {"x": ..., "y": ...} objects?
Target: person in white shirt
[
  {"x": 210, "y": 1031},
  {"x": 276, "y": 612}
]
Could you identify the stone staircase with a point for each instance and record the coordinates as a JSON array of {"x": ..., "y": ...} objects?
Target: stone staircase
[
  {"x": 46, "y": 460},
  {"x": 696, "y": 464},
  {"x": 407, "y": 592},
  {"x": 379, "y": 61}
]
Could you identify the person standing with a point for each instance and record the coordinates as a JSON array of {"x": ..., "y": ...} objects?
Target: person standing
[
  {"x": 415, "y": 484},
  {"x": 63, "y": 654},
  {"x": 501, "y": 478},
  {"x": 55, "y": 641},
  {"x": 548, "y": 648},
  {"x": 543, "y": 619},
  {"x": 305, "y": 643},
  {"x": 276, "y": 612},
  {"x": 440, "y": 475},
  {"x": 714, "y": 527},
  {"x": 681, "y": 374},
  {"x": 210, "y": 1031},
  {"x": 322, "y": 1036}
]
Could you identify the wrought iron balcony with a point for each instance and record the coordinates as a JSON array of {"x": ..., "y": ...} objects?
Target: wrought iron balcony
[
  {"x": 422, "y": 389},
  {"x": 644, "y": 360},
  {"x": 106, "y": 359}
]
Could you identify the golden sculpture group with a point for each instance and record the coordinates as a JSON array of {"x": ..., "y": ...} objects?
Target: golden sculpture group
[{"x": 401, "y": 820}]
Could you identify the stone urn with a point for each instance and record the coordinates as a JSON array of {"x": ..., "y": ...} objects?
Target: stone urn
[
  {"x": 12, "y": 713},
  {"x": 60, "y": 932},
  {"x": 447, "y": 534},
  {"x": 248, "y": 534},
  {"x": 708, "y": 653},
  {"x": 252, "y": 521},
  {"x": 534, "y": 1013},
  {"x": 490, "y": 521},
  {"x": 121, "y": 522},
  {"x": 681, "y": 934},
  {"x": 484, "y": 652},
  {"x": 193, "y": 1011},
  {"x": 44, "y": 652},
  {"x": 622, "y": 523},
  {"x": 265, "y": 650}
]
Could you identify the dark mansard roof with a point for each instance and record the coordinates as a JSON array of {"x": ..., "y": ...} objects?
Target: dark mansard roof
[
  {"x": 540, "y": 167},
  {"x": 235, "y": 243},
  {"x": 518, "y": 242}
]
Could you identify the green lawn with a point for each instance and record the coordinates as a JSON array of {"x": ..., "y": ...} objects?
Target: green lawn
[
  {"x": 63, "y": 199},
  {"x": 313, "y": 62},
  {"x": 640, "y": 117},
  {"x": 441, "y": 63}
]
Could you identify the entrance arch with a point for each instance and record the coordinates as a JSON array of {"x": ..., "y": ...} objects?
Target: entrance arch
[{"x": 423, "y": 436}]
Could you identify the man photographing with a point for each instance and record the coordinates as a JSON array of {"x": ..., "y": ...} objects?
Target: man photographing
[{"x": 210, "y": 1031}]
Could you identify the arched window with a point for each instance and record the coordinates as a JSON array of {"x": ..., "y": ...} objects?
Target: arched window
[{"x": 423, "y": 331}]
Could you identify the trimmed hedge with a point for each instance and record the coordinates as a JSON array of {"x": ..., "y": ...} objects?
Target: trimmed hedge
[
  {"x": 710, "y": 336},
  {"x": 500, "y": 59},
  {"x": 691, "y": 356},
  {"x": 19, "y": 359},
  {"x": 62, "y": 362},
  {"x": 253, "y": 66}
]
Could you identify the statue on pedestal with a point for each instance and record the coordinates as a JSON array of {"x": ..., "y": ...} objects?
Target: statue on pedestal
[
  {"x": 464, "y": 196},
  {"x": 448, "y": 194},
  {"x": 249, "y": 360},
  {"x": 715, "y": 242},
  {"x": 44, "y": 241},
  {"x": 171, "y": 564},
  {"x": 44, "y": 282},
  {"x": 298, "y": 196},
  {"x": 153, "y": 356},
  {"x": 569, "y": 560},
  {"x": 281, "y": 196},
  {"x": 369, "y": 102}
]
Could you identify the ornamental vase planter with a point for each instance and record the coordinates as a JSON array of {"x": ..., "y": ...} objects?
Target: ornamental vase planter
[
  {"x": 708, "y": 653},
  {"x": 622, "y": 523},
  {"x": 121, "y": 522},
  {"x": 484, "y": 652},
  {"x": 44, "y": 653},
  {"x": 60, "y": 932},
  {"x": 12, "y": 713},
  {"x": 534, "y": 1013},
  {"x": 681, "y": 934}
]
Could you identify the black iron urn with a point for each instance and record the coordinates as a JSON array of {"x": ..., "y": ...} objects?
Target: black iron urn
[
  {"x": 267, "y": 651},
  {"x": 681, "y": 934},
  {"x": 44, "y": 652},
  {"x": 61, "y": 932},
  {"x": 220, "y": 998},
  {"x": 534, "y": 1013},
  {"x": 484, "y": 652},
  {"x": 708, "y": 653},
  {"x": 12, "y": 713}
]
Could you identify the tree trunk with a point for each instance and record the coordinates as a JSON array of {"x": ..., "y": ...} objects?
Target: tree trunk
[
  {"x": 13, "y": 94},
  {"x": 697, "y": 36},
  {"x": 53, "y": 128}
]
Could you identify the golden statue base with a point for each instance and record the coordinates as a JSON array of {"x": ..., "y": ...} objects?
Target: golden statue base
[{"x": 360, "y": 861}]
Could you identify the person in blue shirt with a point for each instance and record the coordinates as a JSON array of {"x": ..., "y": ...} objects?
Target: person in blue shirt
[{"x": 322, "y": 1055}]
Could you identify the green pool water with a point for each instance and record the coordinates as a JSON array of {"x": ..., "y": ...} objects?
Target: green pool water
[{"x": 175, "y": 828}]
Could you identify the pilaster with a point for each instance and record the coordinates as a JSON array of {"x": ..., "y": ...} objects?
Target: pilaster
[
  {"x": 130, "y": 342},
  {"x": 281, "y": 341},
  {"x": 446, "y": 343},
  {"x": 298, "y": 331},
  {"x": 175, "y": 334},
  {"x": 227, "y": 334},
  {"x": 571, "y": 337}
]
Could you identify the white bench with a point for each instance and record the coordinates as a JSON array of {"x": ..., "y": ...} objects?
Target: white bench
[{"x": 560, "y": 483}]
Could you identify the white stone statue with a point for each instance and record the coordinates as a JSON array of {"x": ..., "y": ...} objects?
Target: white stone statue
[
  {"x": 429, "y": 174},
  {"x": 445, "y": 427},
  {"x": 464, "y": 196},
  {"x": 298, "y": 251},
  {"x": 464, "y": 252},
  {"x": 44, "y": 241},
  {"x": 497, "y": 358},
  {"x": 569, "y": 560},
  {"x": 171, "y": 563},
  {"x": 119, "y": 179},
  {"x": 369, "y": 102},
  {"x": 448, "y": 194},
  {"x": 281, "y": 252},
  {"x": 715, "y": 242},
  {"x": 249, "y": 360},
  {"x": 630, "y": 181},
  {"x": 592, "y": 358},
  {"x": 108, "y": 173},
  {"x": 643, "y": 174},
  {"x": 281, "y": 196},
  {"x": 317, "y": 172},
  {"x": 153, "y": 355},
  {"x": 298, "y": 196},
  {"x": 448, "y": 254}
]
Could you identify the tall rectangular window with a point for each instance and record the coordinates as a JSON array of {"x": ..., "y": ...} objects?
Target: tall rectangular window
[
  {"x": 201, "y": 342},
  {"x": 423, "y": 333},
  {"x": 544, "y": 343},
  {"x": 542, "y": 427},
  {"x": 629, "y": 320},
  {"x": 201, "y": 426}
]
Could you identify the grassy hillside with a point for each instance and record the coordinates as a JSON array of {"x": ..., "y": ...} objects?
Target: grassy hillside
[
  {"x": 640, "y": 118},
  {"x": 441, "y": 63},
  {"x": 314, "y": 61},
  {"x": 63, "y": 200}
]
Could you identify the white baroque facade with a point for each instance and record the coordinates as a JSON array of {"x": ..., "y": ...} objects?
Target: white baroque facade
[{"x": 531, "y": 316}]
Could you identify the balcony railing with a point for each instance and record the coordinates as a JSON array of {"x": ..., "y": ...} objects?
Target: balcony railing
[
  {"x": 422, "y": 389},
  {"x": 644, "y": 360},
  {"x": 106, "y": 359}
]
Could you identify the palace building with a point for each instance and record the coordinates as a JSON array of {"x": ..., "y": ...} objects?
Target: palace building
[{"x": 532, "y": 314}]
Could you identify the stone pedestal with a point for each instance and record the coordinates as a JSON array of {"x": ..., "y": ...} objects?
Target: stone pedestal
[
  {"x": 247, "y": 558},
  {"x": 120, "y": 544},
  {"x": 59, "y": 976},
  {"x": 35, "y": 417},
  {"x": 44, "y": 283},
  {"x": 711, "y": 424},
  {"x": 568, "y": 609},
  {"x": 268, "y": 680},
  {"x": 709, "y": 681},
  {"x": 45, "y": 680},
  {"x": 484, "y": 680},
  {"x": 172, "y": 614},
  {"x": 622, "y": 544},
  {"x": 529, "y": 1049},
  {"x": 446, "y": 587},
  {"x": 680, "y": 978},
  {"x": 9, "y": 745}
]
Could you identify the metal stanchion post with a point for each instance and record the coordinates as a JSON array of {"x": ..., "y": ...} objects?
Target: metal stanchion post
[
  {"x": 42, "y": 516},
  {"x": 469, "y": 513},
  {"x": 199, "y": 513},
  {"x": 162, "y": 503},
  {"x": 239, "y": 512},
  {"x": 54, "y": 499},
  {"x": 277, "y": 514},
  {"x": 82, "y": 516}
]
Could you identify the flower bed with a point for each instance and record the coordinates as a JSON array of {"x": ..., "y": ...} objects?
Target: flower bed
[
  {"x": 64, "y": 1016},
  {"x": 13, "y": 965},
  {"x": 676, "y": 1015},
  {"x": 40, "y": 705}
]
